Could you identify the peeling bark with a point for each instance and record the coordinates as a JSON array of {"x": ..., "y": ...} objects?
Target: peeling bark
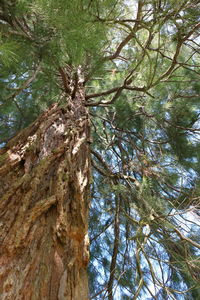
[{"x": 44, "y": 201}]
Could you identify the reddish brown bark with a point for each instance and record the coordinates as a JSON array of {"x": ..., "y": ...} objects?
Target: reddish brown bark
[{"x": 44, "y": 187}]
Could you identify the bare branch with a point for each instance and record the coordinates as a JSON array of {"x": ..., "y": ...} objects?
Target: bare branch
[
  {"x": 129, "y": 36},
  {"x": 26, "y": 83},
  {"x": 115, "y": 251}
]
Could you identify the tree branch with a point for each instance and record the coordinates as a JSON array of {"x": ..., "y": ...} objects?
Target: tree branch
[
  {"x": 115, "y": 251},
  {"x": 129, "y": 36},
  {"x": 26, "y": 83}
]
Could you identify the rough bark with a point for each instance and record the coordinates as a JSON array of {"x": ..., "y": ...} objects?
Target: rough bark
[{"x": 44, "y": 194}]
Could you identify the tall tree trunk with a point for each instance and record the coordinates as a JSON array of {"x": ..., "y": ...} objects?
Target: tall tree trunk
[{"x": 44, "y": 191}]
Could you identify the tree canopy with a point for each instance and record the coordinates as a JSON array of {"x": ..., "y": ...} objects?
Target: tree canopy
[{"x": 140, "y": 61}]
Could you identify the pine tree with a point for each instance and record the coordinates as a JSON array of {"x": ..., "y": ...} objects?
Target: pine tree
[{"x": 99, "y": 115}]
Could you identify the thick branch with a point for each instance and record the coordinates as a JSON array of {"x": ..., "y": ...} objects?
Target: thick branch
[
  {"x": 64, "y": 80},
  {"x": 118, "y": 91},
  {"x": 129, "y": 36}
]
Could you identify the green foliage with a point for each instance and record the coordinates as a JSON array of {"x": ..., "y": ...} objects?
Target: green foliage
[
  {"x": 67, "y": 31},
  {"x": 126, "y": 115},
  {"x": 8, "y": 53}
]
